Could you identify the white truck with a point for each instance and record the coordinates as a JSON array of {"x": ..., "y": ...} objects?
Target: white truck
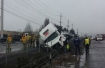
[{"x": 51, "y": 36}]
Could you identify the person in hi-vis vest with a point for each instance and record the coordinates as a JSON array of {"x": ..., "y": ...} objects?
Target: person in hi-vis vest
[
  {"x": 87, "y": 43},
  {"x": 23, "y": 40},
  {"x": 28, "y": 38},
  {"x": 33, "y": 40},
  {"x": 9, "y": 42}
]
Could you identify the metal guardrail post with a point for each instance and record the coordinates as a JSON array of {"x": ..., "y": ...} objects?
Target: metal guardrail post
[
  {"x": 47, "y": 46},
  {"x": 51, "y": 43},
  {"x": 50, "y": 61},
  {"x": 27, "y": 49},
  {"x": 51, "y": 58},
  {"x": 35, "y": 43},
  {"x": 39, "y": 45},
  {"x": 6, "y": 56}
]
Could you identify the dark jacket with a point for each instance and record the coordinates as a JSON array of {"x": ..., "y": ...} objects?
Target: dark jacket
[
  {"x": 76, "y": 41},
  {"x": 65, "y": 42}
]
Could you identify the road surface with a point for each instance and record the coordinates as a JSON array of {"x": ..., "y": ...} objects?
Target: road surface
[
  {"x": 96, "y": 57},
  {"x": 15, "y": 47}
]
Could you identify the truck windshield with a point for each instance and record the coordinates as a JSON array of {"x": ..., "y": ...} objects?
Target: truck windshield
[{"x": 53, "y": 36}]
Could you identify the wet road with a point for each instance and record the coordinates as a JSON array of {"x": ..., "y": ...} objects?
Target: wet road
[
  {"x": 15, "y": 47},
  {"x": 96, "y": 57}
]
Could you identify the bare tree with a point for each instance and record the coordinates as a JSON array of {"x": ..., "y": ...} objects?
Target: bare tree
[
  {"x": 72, "y": 31},
  {"x": 28, "y": 28},
  {"x": 36, "y": 32},
  {"x": 42, "y": 26},
  {"x": 46, "y": 22}
]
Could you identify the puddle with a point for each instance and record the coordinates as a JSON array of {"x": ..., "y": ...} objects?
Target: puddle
[
  {"x": 82, "y": 60},
  {"x": 65, "y": 65},
  {"x": 13, "y": 50}
]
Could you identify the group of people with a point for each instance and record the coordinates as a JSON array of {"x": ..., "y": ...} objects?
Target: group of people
[
  {"x": 77, "y": 43},
  {"x": 27, "y": 41}
]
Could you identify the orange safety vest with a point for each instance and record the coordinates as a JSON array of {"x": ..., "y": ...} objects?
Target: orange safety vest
[{"x": 23, "y": 39}]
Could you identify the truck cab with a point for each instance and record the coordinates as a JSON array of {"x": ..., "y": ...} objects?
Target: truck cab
[{"x": 52, "y": 37}]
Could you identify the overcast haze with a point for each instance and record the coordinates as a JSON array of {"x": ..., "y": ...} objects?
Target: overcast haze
[{"x": 86, "y": 15}]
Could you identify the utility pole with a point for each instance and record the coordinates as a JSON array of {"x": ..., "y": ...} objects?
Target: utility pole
[
  {"x": 81, "y": 34},
  {"x": 2, "y": 7},
  {"x": 0, "y": 26},
  {"x": 77, "y": 31},
  {"x": 68, "y": 25},
  {"x": 2, "y": 21},
  {"x": 60, "y": 22},
  {"x": 72, "y": 26}
]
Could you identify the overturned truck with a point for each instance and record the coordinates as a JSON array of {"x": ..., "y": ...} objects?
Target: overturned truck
[{"x": 52, "y": 37}]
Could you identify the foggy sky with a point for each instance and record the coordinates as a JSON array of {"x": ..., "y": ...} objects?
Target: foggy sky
[{"x": 86, "y": 15}]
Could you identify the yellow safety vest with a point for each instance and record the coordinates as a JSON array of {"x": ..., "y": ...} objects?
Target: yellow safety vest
[
  {"x": 68, "y": 46},
  {"x": 86, "y": 41},
  {"x": 28, "y": 38},
  {"x": 33, "y": 38}
]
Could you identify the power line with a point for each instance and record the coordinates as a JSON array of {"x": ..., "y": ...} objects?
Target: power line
[
  {"x": 51, "y": 9},
  {"x": 20, "y": 12},
  {"x": 22, "y": 16},
  {"x": 45, "y": 8},
  {"x": 6, "y": 10},
  {"x": 19, "y": 8},
  {"x": 42, "y": 12},
  {"x": 48, "y": 7},
  {"x": 36, "y": 6},
  {"x": 29, "y": 5}
]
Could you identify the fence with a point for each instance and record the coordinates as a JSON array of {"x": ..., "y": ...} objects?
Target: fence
[{"x": 42, "y": 61}]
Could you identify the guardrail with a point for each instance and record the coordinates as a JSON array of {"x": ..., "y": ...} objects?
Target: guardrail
[{"x": 38, "y": 63}]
